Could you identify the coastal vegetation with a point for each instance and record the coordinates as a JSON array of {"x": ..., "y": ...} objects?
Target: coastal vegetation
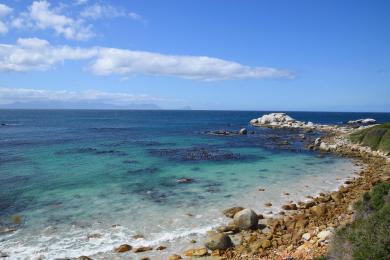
[
  {"x": 367, "y": 236},
  {"x": 376, "y": 137}
]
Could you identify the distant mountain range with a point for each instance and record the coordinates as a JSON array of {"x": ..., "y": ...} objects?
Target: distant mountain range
[{"x": 76, "y": 105}]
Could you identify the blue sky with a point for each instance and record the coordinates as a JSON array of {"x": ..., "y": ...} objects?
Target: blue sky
[{"x": 246, "y": 55}]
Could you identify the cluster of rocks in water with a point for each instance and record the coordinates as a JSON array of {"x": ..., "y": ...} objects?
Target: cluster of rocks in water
[{"x": 242, "y": 131}]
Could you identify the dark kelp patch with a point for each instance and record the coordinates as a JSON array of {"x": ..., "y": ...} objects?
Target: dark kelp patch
[{"x": 196, "y": 154}]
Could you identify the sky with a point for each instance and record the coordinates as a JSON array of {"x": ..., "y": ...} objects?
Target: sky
[{"x": 201, "y": 54}]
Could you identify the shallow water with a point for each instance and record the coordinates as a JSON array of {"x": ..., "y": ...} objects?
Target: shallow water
[{"x": 85, "y": 182}]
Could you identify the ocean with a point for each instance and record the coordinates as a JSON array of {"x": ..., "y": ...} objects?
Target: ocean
[{"x": 82, "y": 182}]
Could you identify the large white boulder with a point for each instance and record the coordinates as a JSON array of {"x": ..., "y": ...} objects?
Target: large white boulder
[{"x": 246, "y": 219}]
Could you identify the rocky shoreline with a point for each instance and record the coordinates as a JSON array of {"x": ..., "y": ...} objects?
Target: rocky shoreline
[{"x": 302, "y": 230}]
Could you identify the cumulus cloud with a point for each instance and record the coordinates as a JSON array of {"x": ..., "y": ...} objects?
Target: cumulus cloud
[
  {"x": 25, "y": 95},
  {"x": 37, "y": 54},
  {"x": 62, "y": 19},
  {"x": 41, "y": 16},
  {"x": 4, "y": 11}
]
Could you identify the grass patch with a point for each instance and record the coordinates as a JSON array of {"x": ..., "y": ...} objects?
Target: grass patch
[
  {"x": 376, "y": 137},
  {"x": 368, "y": 236}
]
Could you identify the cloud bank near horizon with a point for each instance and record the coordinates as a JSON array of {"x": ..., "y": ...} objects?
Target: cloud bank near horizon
[
  {"x": 29, "y": 54},
  {"x": 25, "y": 95}
]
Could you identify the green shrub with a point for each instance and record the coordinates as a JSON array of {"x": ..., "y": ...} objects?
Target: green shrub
[
  {"x": 368, "y": 236},
  {"x": 376, "y": 137}
]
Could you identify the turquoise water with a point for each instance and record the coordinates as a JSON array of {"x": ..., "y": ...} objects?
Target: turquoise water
[{"x": 85, "y": 182}]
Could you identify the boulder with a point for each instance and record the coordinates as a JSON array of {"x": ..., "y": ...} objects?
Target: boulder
[
  {"x": 161, "y": 248},
  {"x": 317, "y": 142},
  {"x": 196, "y": 252},
  {"x": 123, "y": 248},
  {"x": 230, "y": 212},
  {"x": 143, "y": 249},
  {"x": 266, "y": 244},
  {"x": 336, "y": 196},
  {"x": 306, "y": 236},
  {"x": 291, "y": 206},
  {"x": 83, "y": 257},
  {"x": 231, "y": 227},
  {"x": 218, "y": 241},
  {"x": 174, "y": 257},
  {"x": 323, "y": 235},
  {"x": 243, "y": 131},
  {"x": 324, "y": 147},
  {"x": 246, "y": 219},
  {"x": 184, "y": 180},
  {"x": 318, "y": 210}
]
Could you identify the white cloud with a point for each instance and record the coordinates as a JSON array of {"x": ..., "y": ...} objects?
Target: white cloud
[
  {"x": 41, "y": 16},
  {"x": 3, "y": 28},
  {"x": 37, "y": 54},
  {"x": 119, "y": 61},
  {"x": 44, "y": 18},
  {"x": 25, "y": 95},
  {"x": 62, "y": 19},
  {"x": 97, "y": 11},
  {"x": 4, "y": 10}
]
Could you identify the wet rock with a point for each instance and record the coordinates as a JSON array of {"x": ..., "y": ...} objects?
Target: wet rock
[
  {"x": 218, "y": 241},
  {"x": 289, "y": 207},
  {"x": 4, "y": 230},
  {"x": 268, "y": 204},
  {"x": 143, "y": 249},
  {"x": 243, "y": 131},
  {"x": 184, "y": 180},
  {"x": 174, "y": 257},
  {"x": 83, "y": 257},
  {"x": 261, "y": 189},
  {"x": 93, "y": 236},
  {"x": 196, "y": 252},
  {"x": 232, "y": 211},
  {"x": 246, "y": 219},
  {"x": 123, "y": 248},
  {"x": 231, "y": 227},
  {"x": 138, "y": 236},
  {"x": 145, "y": 258},
  {"x": 161, "y": 248},
  {"x": 309, "y": 204},
  {"x": 16, "y": 219}
]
